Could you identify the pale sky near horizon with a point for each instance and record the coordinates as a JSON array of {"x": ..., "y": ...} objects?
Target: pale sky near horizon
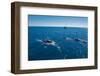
[{"x": 57, "y": 21}]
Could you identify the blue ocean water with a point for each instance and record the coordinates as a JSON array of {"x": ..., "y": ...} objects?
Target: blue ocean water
[{"x": 68, "y": 43}]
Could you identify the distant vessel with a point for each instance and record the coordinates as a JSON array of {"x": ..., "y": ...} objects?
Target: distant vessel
[{"x": 65, "y": 27}]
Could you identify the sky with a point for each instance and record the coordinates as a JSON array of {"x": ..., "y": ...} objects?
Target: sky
[{"x": 57, "y": 21}]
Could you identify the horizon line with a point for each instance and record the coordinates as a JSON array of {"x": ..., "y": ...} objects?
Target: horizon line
[{"x": 60, "y": 26}]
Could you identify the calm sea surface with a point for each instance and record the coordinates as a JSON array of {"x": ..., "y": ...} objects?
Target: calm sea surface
[{"x": 66, "y": 44}]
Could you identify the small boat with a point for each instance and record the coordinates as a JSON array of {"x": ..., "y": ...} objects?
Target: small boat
[{"x": 65, "y": 27}]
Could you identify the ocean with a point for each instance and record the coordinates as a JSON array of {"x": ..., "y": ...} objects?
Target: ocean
[{"x": 50, "y": 43}]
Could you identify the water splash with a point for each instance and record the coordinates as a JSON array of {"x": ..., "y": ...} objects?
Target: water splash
[
  {"x": 39, "y": 40},
  {"x": 59, "y": 48},
  {"x": 51, "y": 44},
  {"x": 45, "y": 46}
]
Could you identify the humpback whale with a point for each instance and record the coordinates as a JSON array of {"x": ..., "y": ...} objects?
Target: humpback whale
[
  {"x": 76, "y": 39},
  {"x": 47, "y": 42}
]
